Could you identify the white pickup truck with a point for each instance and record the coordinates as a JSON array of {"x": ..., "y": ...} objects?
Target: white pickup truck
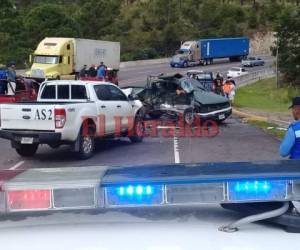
[{"x": 74, "y": 113}]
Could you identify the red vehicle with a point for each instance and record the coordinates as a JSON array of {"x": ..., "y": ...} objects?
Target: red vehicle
[
  {"x": 110, "y": 76},
  {"x": 25, "y": 90}
]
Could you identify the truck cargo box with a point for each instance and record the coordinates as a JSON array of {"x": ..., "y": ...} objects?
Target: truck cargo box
[
  {"x": 224, "y": 47},
  {"x": 93, "y": 52}
]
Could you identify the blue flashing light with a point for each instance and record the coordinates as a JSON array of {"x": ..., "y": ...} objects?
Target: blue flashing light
[
  {"x": 129, "y": 190},
  {"x": 256, "y": 186},
  {"x": 139, "y": 190},
  {"x": 134, "y": 195},
  {"x": 148, "y": 190},
  {"x": 257, "y": 190},
  {"x": 121, "y": 191}
]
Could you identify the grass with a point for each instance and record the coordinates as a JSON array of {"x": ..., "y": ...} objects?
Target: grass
[
  {"x": 269, "y": 128},
  {"x": 264, "y": 96}
]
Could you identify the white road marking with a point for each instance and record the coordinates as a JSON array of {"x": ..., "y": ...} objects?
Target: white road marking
[
  {"x": 19, "y": 164},
  {"x": 176, "y": 150}
]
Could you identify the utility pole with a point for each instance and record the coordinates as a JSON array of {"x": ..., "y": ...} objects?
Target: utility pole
[{"x": 277, "y": 68}]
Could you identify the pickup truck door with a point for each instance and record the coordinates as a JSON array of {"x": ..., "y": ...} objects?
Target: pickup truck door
[
  {"x": 124, "y": 109},
  {"x": 113, "y": 104}
]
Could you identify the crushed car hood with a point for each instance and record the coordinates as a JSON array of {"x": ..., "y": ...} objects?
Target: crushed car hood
[{"x": 204, "y": 97}]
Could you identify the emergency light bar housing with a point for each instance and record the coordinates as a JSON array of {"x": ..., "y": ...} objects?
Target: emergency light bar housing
[{"x": 151, "y": 185}]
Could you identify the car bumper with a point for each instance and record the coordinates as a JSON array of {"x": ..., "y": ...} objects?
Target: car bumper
[
  {"x": 217, "y": 115},
  {"x": 38, "y": 137},
  {"x": 177, "y": 65}
]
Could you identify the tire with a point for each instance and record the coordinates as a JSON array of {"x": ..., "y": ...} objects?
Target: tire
[
  {"x": 138, "y": 131},
  {"x": 86, "y": 145},
  {"x": 185, "y": 64},
  {"x": 189, "y": 116},
  {"x": 27, "y": 150}
]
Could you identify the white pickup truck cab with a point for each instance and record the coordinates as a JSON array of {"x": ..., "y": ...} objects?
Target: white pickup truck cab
[{"x": 71, "y": 112}]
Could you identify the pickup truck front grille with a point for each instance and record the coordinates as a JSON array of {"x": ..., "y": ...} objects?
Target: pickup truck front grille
[{"x": 214, "y": 107}]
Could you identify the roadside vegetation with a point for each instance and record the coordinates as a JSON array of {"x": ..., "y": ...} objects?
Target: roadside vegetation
[
  {"x": 265, "y": 96},
  {"x": 146, "y": 28}
]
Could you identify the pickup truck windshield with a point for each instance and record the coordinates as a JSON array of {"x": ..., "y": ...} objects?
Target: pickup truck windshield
[
  {"x": 204, "y": 77},
  {"x": 46, "y": 59}
]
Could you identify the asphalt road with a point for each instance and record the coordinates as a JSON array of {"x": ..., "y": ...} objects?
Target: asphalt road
[
  {"x": 136, "y": 76},
  {"x": 236, "y": 141}
]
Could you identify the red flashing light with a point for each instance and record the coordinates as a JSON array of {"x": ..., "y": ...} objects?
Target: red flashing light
[{"x": 28, "y": 199}]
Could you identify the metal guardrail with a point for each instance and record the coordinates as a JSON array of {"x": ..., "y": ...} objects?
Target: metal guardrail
[{"x": 255, "y": 76}]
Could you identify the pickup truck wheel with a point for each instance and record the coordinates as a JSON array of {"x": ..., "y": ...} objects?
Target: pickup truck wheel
[
  {"x": 86, "y": 145},
  {"x": 138, "y": 131},
  {"x": 27, "y": 150}
]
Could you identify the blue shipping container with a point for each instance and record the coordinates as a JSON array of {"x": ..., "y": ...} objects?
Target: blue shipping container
[{"x": 224, "y": 47}]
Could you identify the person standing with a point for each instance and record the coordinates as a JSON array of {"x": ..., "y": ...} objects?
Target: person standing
[
  {"x": 232, "y": 91},
  {"x": 11, "y": 78},
  {"x": 83, "y": 72},
  {"x": 11, "y": 73},
  {"x": 227, "y": 88},
  {"x": 101, "y": 71},
  {"x": 218, "y": 84},
  {"x": 92, "y": 71},
  {"x": 3, "y": 80},
  {"x": 290, "y": 145}
]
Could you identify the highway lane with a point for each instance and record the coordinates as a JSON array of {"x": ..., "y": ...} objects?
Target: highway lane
[
  {"x": 235, "y": 142},
  {"x": 136, "y": 76}
]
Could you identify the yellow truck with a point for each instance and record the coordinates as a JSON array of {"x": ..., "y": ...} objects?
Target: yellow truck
[{"x": 63, "y": 58}]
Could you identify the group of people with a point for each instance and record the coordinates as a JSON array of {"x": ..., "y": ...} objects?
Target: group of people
[
  {"x": 224, "y": 87},
  {"x": 93, "y": 71},
  {"x": 7, "y": 76}
]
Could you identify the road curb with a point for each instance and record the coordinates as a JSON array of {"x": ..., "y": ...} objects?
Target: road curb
[
  {"x": 249, "y": 116},
  {"x": 259, "y": 118}
]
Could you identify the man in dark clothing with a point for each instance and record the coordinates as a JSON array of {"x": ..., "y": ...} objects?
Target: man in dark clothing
[
  {"x": 83, "y": 72},
  {"x": 92, "y": 71},
  {"x": 11, "y": 73},
  {"x": 3, "y": 80},
  {"x": 290, "y": 145},
  {"x": 218, "y": 84}
]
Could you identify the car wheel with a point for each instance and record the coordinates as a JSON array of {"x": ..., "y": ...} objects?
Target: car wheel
[
  {"x": 185, "y": 65},
  {"x": 86, "y": 145},
  {"x": 189, "y": 116},
  {"x": 138, "y": 130},
  {"x": 27, "y": 150}
]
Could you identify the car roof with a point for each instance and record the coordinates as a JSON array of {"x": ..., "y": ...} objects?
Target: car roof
[{"x": 77, "y": 82}]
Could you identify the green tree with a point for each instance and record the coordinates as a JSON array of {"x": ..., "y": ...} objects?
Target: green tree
[
  {"x": 288, "y": 42},
  {"x": 49, "y": 20}
]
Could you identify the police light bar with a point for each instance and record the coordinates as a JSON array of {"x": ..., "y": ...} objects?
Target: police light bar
[
  {"x": 152, "y": 185},
  {"x": 186, "y": 184},
  {"x": 53, "y": 189}
]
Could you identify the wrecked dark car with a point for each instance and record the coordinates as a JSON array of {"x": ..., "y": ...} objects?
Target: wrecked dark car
[{"x": 180, "y": 95}]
